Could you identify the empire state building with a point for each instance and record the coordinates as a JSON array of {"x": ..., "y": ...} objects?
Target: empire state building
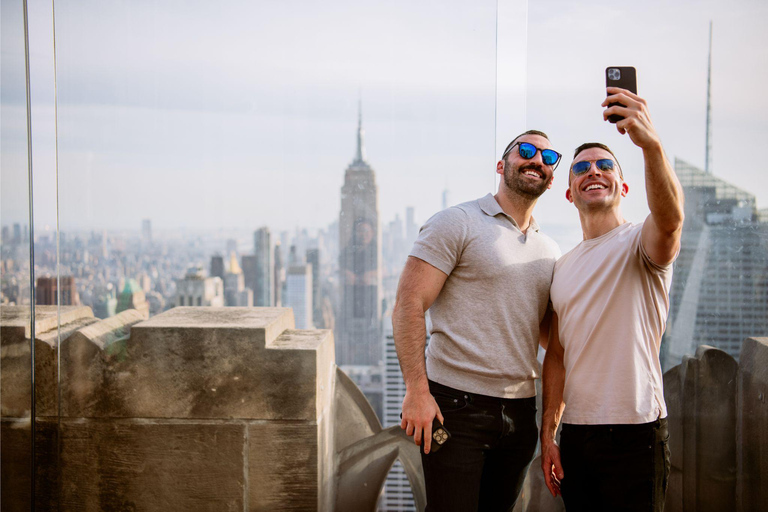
[{"x": 359, "y": 322}]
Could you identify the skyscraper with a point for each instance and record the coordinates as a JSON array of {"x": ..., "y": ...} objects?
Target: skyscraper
[
  {"x": 263, "y": 286},
  {"x": 235, "y": 292},
  {"x": 359, "y": 321},
  {"x": 217, "y": 266},
  {"x": 313, "y": 260},
  {"x": 719, "y": 292},
  {"x": 279, "y": 274},
  {"x": 298, "y": 294},
  {"x": 197, "y": 290},
  {"x": 146, "y": 231},
  {"x": 398, "y": 495}
]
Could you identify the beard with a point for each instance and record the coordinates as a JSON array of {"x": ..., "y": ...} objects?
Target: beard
[{"x": 515, "y": 183}]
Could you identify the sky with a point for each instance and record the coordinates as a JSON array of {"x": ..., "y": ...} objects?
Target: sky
[{"x": 241, "y": 114}]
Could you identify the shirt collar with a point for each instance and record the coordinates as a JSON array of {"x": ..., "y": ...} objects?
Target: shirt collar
[{"x": 491, "y": 207}]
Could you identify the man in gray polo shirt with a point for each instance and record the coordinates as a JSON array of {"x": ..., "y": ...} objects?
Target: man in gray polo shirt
[{"x": 483, "y": 271}]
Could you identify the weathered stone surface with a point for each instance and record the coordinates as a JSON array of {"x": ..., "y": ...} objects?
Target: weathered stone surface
[
  {"x": 752, "y": 493},
  {"x": 90, "y": 364},
  {"x": 700, "y": 395},
  {"x": 15, "y": 356},
  {"x": 15, "y": 457},
  {"x": 283, "y": 466},
  {"x": 151, "y": 465},
  {"x": 220, "y": 363}
]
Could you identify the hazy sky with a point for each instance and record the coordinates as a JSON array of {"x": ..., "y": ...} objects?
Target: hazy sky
[{"x": 241, "y": 114}]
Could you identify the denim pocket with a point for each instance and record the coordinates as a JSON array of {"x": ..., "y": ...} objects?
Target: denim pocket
[{"x": 449, "y": 403}]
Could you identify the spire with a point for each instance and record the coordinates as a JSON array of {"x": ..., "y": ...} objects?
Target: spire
[
  {"x": 360, "y": 155},
  {"x": 708, "y": 156}
]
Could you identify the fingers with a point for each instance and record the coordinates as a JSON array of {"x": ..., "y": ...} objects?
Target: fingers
[
  {"x": 428, "y": 438},
  {"x": 549, "y": 478}
]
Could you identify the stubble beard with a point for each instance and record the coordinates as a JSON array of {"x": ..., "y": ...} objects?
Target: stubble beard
[{"x": 530, "y": 191}]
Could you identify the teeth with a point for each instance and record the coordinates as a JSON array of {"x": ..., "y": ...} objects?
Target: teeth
[
  {"x": 531, "y": 173},
  {"x": 594, "y": 187}
]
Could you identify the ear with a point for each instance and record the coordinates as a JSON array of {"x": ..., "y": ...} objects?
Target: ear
[
  {"x": 568, "y": 195},
  {"x": 624, "y": 189},
  {"x": 551, "y": 181},
  {"x": 500, "y": 167}
]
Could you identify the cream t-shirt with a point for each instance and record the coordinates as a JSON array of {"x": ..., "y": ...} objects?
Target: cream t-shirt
[{"x": 612, "y": 302}]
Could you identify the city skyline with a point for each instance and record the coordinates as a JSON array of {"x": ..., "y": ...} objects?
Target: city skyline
[{"x": 135, "y": 146}]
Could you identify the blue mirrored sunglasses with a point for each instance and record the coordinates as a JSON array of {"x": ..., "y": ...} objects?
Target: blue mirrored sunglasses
[
  {"x": 527, "y": 150},
  {"x": 603, "y": 165}
]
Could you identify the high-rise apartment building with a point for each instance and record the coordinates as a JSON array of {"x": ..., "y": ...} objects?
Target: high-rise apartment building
[
  {"x": 359, "y": 318},
  {"x": 719, "y": 292},
  {"x": 298, "y": 294},
  {"x": 46, "y": 291},
  {"x": 279, "y": 276}
]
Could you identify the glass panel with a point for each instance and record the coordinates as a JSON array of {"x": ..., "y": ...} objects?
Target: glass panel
[{"x": 15, "y": 269}]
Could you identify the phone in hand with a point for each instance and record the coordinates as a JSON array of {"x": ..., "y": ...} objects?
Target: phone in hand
[
  {"x": 624, "y": 77},
  {"x": 440, "y": 435}
]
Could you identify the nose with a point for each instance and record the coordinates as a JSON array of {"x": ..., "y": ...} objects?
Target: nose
[{"x": 593, "y": 170}]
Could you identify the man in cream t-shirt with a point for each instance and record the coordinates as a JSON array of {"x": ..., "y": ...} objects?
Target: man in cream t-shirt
[{"x": 611, "y": 298}]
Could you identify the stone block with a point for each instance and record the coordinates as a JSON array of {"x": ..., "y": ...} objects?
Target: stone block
[
  {"x": 220, "y": 363},
  {"x": 15, "y": 460},
  {"x": 752, "y": 493},
  {"x": 283, "y": 466},
  {"x": 15, "y": 356},
  {"x": 90, "y": 360},
  {"x": 152, "y": 466}
]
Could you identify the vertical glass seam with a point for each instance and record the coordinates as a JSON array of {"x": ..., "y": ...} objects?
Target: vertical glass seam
[{"x": 32, "y": 294}]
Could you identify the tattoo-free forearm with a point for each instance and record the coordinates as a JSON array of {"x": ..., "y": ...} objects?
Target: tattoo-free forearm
[
  {"x": 410, "y": 333},
  {"x": 665, "y": 195},
  {"x": 553, "y": 382}
]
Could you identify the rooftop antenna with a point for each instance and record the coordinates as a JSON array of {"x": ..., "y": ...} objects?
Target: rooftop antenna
[{"x": 708, "y": 156}]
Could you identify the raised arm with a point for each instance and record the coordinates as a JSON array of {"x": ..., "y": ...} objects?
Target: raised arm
[
  {"x": 663, "y": 227},
  {"x": 553, "y": 382},
  {"x": 420, "y": 284}
]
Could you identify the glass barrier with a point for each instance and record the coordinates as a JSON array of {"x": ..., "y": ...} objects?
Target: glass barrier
[{"x": 16, "y": 273}]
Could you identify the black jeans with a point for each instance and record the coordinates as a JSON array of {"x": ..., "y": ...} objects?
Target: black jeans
[
  {"x": 483, "y": 464},
  {"x": 615, "y": 467}
]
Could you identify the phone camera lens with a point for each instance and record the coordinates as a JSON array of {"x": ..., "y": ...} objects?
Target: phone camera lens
[{"x": 614, "y": 74}]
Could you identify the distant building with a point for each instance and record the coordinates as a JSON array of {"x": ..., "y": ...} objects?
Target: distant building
[
  {"x": 279, "y": 276},
  {"x": 263, "y": 282},
  {"x": 298, "y": 294},
  {"x": 197, "y": 290},
  {"x": 235, "y": 292},
  {"x": 45, "y": 293},
  {"x": 313, "y": 260},
  {"x": 132, "y": 297},
  {"x": 719, "y": 292},
  {"x": 359, "y": 319},
  {"x": 105, "y": 304},
  {"x": 217, "y": 266},
  {"x": 398, "y": 495},
  {"x": 146, "y": 231}
]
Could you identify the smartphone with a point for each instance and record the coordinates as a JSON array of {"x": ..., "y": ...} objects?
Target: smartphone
[
  {"x": 440, "y": 435},
  {"x": 624, "y": 77}
]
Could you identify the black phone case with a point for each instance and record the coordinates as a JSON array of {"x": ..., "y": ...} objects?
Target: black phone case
[
  {"x": 627, "y": 80},
  {"x": 440, "y": 435}
]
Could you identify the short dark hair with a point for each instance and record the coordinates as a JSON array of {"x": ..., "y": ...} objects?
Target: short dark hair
[
  {"x": 529, "y": 132},
  {"x": 590, "y": 145}
]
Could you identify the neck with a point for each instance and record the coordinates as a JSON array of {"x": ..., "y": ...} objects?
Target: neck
[
  {"x": 598, "y": 223},
  {"x": 516, "y": 206}
]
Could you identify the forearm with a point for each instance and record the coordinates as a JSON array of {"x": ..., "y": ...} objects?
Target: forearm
[
  {"x": 410, "y": 333},
  {"x": 665, "y": 195},
  {"x": 553, "y": 383}
]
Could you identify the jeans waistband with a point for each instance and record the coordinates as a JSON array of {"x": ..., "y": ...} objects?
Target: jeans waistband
[
  {"x": 623, "y": 427},
  {"x": 475, "y": 397}
]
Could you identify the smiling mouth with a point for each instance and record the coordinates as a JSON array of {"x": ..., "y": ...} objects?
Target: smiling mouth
[
  {"x": 532, "y": 173},
  {"x": 595, "y": 186}
]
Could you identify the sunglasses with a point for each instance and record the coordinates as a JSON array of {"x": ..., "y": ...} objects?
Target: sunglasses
[
  {"x": 604, "y": 165},
  {"x": 527, "y": 150}
]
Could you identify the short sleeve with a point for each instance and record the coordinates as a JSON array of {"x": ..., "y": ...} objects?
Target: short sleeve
[
  {"x": 637, "y": 245},
  {"x": 441, "y": 240}
]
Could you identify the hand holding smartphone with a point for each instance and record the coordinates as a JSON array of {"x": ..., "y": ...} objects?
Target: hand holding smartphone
[{"x": 624, "y": 77}]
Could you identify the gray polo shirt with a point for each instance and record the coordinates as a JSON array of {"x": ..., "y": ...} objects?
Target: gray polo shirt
[{"x": 485, "y": 321}]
